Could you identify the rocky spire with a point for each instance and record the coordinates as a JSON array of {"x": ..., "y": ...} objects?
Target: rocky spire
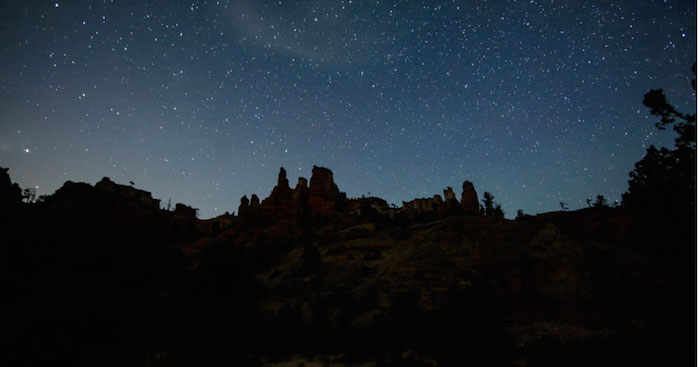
[
  {"x": 281, "y": 193},
  {"x": 244, "y": 205},
  {"x": 282, "y": 182},
  {"x": 323, "y": 194},
  {"x": 322, "y": 184},
  {"x": 300, "y": 193},
  {"x": 302, "y": 183},
  {"x": 254, "y": 202},
  {"x": 449, "y": 194},
  {"x": 469, "y": 203},
  {"x": 450, "y": 200}
]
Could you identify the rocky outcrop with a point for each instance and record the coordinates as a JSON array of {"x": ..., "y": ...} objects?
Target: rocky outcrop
[
  {"x": 185, "y": 211},
  {"x": 107, "y": 186},
  {"x": 469, "y": 203},
  {"x": 452, "y": 205},
  {"x": 280, "y": 202},
  {"x": 369, "y": 206},
  {"x": 282, "y": 181},
  {"x": 436, "y": 207},
  {"x": 432, "y": 207},
  {"x": 281, "y": 195},
  {"x": 324, "y": 195},
  {"x": 449, "y": 194},
  {"x": 244, "y": 205},
  {"x": 321, "y": 197},
  {"x": 322, "y": 185},
  {"x": 117, "y": 207},
  {"x": 423, "y": 205},
  {"x": 300, "y": 193}
]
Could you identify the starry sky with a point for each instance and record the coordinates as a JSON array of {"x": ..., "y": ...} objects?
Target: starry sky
[{"x": 201, "y": 102}]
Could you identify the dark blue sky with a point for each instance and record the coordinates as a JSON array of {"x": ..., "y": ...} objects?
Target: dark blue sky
[{"x": 201, "y": 102}]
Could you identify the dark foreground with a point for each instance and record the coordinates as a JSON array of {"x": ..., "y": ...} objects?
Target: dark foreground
[{"x": 308, "y": 277}]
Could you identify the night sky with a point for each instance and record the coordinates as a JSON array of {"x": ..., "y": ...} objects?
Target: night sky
[{"x": 201, "y": 102}]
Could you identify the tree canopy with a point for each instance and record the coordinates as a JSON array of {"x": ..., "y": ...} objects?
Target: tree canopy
[{"x": 663, "y": 182}]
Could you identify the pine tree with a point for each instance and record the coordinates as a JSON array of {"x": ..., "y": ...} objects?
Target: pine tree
[{"x": 663, "y": 182}]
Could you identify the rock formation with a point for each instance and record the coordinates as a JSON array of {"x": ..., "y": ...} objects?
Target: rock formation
[
  {"x": 282, "y": 181},
  {"x": 185, "y": 211},
  {"x": 450, "y": 200},
  {"x": 244, "y": 205},
  {"x": 469, "y": 202},
  {"x": 254, "y": 202},
  {"x": 300, "y": 193},
  {"x": 364, "y": 206},
  {"x": 433, "y": 206},
  {"x": 280, "y": 202},
  {"x": 117, "y": 207},
  {"x": 105, "y": 185},
  {"x": 324, "y": 195},
  {"x": 281, "y": 195},
  {"x": 321, "y": 197},
  {"x": 449, "y": 194},
  {"x": 322, "y": 184}
]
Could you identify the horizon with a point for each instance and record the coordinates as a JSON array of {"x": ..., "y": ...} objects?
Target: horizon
[{"x": 262, "y": 197}]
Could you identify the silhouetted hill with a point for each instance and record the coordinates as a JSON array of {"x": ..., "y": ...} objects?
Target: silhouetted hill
[{"x": 310, "y": 276}]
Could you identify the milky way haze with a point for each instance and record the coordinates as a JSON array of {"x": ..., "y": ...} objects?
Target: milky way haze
[{"x": 201, "y": 102}]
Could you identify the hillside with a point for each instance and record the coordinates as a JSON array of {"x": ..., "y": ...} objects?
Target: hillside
[{"x": 308, "y": 276}]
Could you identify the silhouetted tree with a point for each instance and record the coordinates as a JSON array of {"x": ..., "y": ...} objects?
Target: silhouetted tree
[
  {"x": 28, "y": 195},
  {"x": 498, "y": 211},
  {"x": 489, "y": 208},
  {"x": 663, "y": 182},
  {"x": 589, "y": 202},
  {"x": 520, "y": 214},
  {"x": 600, "y": 201},
  {"x": 563, "y": 206}
]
